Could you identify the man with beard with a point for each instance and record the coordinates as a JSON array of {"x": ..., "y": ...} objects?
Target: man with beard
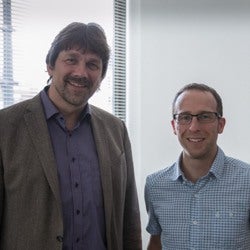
[
  {"x": 202, "y": 201},
  {"x": 66, "y": 171}
]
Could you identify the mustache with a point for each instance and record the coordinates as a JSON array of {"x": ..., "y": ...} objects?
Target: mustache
[{"x": 79, "y": 80}]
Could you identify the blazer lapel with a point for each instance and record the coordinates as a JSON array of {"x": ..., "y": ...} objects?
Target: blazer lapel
[
  {"x": 102, "y": 147},
  {"x": 39, "y": 134}
]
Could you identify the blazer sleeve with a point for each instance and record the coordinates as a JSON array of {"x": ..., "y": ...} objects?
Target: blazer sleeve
[
  {"x": 1, "y": 188},
  {"x": 132, "y": 223}
]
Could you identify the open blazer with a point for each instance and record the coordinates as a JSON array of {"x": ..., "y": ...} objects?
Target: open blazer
[{"x": 30, "y": 204}]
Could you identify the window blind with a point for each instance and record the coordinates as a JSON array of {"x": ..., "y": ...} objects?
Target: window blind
[
  {"x": 11, "y": 14},
  {"x": 6, "y": 80},
  {"x": 119, "y": 70}
]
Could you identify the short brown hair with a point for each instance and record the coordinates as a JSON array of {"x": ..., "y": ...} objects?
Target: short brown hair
[{"x": 201, "y": 87}]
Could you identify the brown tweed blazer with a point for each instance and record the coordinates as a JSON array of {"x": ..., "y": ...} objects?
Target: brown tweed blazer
[{"x": 30, "y": 204}]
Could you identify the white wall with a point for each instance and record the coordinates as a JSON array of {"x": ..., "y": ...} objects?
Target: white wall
[{"x": 175, "y": 42}]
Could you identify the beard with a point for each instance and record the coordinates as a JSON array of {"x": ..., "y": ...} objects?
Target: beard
[{"x": 76, "y": 91}]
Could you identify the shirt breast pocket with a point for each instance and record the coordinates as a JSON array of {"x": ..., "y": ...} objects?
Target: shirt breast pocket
[{"x": 227, "y": 227}]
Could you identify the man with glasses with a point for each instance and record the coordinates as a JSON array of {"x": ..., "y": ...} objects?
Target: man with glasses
[{"x": 202, "y": 201}]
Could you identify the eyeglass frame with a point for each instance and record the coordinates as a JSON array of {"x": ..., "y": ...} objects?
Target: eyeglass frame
[{"x": 217, "y": 116}]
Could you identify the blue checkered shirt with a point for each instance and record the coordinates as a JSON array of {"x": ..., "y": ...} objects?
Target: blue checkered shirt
[{"x": 211, "y": 214}]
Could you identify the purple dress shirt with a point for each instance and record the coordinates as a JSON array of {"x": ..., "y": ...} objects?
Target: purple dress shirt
[{"x": 79, "y": 179}]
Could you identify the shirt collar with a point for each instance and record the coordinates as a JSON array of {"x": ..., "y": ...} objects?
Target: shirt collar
[
  {"x": 51, "y": 110},
  {"x": 216, "y": 169},
  {"x": 177, "y": 173}
]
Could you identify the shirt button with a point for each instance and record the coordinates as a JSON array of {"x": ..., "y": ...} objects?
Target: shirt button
[
  {"x": 77, "y": 240},
  {"x": 195, "y": 222},
  {"x": 76, "y": 184},
  {"x": 77, "y": 211},
  {"x": 73, "y": 159},
  {"x": 217, "y": 215}
]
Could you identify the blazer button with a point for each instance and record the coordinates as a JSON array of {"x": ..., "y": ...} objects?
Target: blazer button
[{"x": 59, "y": 238}]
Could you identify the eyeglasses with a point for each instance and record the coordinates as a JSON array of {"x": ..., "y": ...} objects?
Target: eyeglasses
[{"x": 205, "y": 117}]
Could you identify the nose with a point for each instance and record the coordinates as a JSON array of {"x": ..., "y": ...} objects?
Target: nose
[
  {"x": 194, "y": 124},
  {"x": 80, "y": 70}
]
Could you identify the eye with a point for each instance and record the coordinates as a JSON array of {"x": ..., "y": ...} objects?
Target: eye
[
  {"x": 185, "y": 117},
  {"x": 205, "y": 116},
  {"x": 70, "y": 61},
  {"x": 93, "y": 65}
]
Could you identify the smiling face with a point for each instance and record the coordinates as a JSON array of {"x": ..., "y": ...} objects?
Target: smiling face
[
  {"x": 75, "y": 78},
  {"x": 199, "y": 140}
]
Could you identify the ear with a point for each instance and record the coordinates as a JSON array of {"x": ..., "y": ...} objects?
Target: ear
[
  {"x": 173, "y": 126},
  {"x": 50, "y": 70},
  {"x": 221, "y": 125}
]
